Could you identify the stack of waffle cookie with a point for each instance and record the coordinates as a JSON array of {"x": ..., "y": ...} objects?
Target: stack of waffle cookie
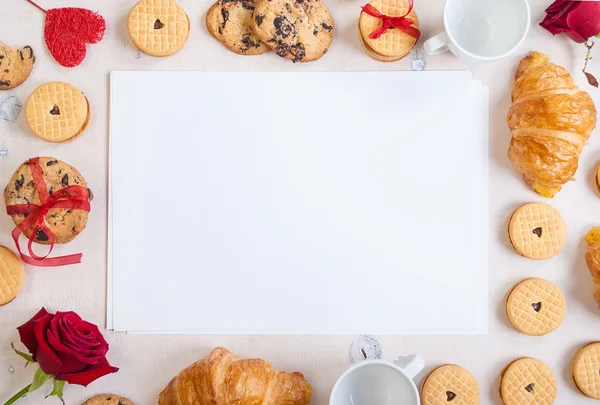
[{"x": 394, "y": 44}]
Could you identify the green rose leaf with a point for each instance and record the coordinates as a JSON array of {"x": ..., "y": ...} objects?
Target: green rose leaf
[
  {"x": 26, "y": 356},
  {"x": 598, "y": 36},
  {"x": 39, "y": 379},
  {"x": 58, "y": 390}
]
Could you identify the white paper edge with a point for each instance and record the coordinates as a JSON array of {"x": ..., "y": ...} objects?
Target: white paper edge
[{"x": 109, "y": 264}]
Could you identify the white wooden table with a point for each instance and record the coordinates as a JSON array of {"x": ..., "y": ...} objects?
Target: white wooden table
[{"x": 149, "y": 362}]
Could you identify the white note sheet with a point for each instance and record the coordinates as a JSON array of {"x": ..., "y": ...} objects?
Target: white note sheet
[{"x": 305, "y": 203}]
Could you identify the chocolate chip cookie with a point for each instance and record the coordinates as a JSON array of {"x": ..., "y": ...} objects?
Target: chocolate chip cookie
[
  {"x": 64, "y": 223},
  {"x": 300, "y": 30},
  {"x": 15, "y": 66},
  {"x": 229, "y": 22},
  {"x": 108, "y": 399}
]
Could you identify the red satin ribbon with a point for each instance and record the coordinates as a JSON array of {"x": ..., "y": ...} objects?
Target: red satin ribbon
[
  {"x": 402, "y": 23},
  {"x": 72, "y": 197}
]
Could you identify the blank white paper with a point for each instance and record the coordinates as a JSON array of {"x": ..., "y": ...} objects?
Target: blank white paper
[{"x": 323, "y": 203}]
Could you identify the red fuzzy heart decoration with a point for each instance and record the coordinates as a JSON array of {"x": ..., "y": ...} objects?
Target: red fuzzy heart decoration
[{"x": 68, "y": 30}]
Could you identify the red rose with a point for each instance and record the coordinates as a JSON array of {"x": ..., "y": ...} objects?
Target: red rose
[
  {"x": 66, "y": 347},
  {"x": 580, "y": 20}
]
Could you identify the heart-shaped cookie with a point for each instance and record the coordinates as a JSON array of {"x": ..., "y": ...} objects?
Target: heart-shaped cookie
[{"x": 68, "y": 30}]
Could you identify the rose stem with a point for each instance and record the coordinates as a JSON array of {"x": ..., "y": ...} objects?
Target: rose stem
[
  {"x": 30, "y": 1},
  {"x": 588, "y": 56},
  {"x": 18, "y": 395}
]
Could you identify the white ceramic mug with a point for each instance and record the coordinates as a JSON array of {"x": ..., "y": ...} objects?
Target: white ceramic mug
[
  {"x": 378, "y": 382},
  {"x": 481, "y": 30}
]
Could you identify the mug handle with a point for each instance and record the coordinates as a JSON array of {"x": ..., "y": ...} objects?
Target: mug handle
[
  {"x": 412, "y": 365},
  {"x": 437, "y": 44}
]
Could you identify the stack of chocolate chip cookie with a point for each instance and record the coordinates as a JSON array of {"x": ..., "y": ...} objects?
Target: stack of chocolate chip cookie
[{"x": 300, "y": 30}]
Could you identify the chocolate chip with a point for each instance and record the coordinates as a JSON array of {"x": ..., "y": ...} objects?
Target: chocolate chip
[
  {"x": 450, "y": 396},
  {"x": 31, "y": 55},
  {"x": 538, "y": 232},
  {"x": 225, "y": 15},
  {"x": 158, "y": 25},
  {"x": 282, "y": 49},
  {"x": 327, "y": 27},
  {"x": 19, "y": 182},
  {"x": 248, "y": 4},
  {"x": 220, "y": 31},
  {"x": 6, "y": 70},
  {"x": 284, "y": 28},
  {"x": 51, "y": 162},
  {"x": 315, "y": 32},
  {"x": 51, "y": 190},
  {"x": 90, "y": 195},
  {"x": 1, "y": 56},
  {"x": 259, "y": 19},
  {"x": 298, "y": 51},
  {"x": 4, "y": 84},
  {"x": 41, "y": 235},
  {"x": 55, "y": 110},
  {"x": 529, "y": 388},
  {"x": 65, "y": 180},
  {"x": 536, "y": 306}
]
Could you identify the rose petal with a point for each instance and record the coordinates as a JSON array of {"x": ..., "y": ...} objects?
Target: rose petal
[
  {"x": 90, "y": 374},
  {"x": 26, "y": 332},
  {"x": 558, "y": 6},
  {"x": 73, "y": 360},
  {"x": 584, "y": 21},
  {"x": 556, "y": 22},
  {"x": 95, "y": 345},
  {"x": 45, "y": 356}
]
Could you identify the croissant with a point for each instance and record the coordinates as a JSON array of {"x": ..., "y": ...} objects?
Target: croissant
[
  {"x": 224, "y": 379},
  {"x": 551, "y": 121},
  {"x": 592, "y": 259}
]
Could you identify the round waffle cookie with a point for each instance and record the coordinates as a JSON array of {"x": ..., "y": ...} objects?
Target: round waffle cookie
[
  {"x": 57, "y": 112},
  {"x": 107, "y": 399},
  {"x": 158, "y": 27},
  {"x": 527, "y": 381},
  {"x": 12, "y": 276},
  {"x": 450, "y": 384},
  {"x": 585, "y": 370},
  {"x": 537, "y": 231},
  {"x": 64, "y": 223},
  {"x": 536, "y": 307},
  {"x": 394, "y": 44}
]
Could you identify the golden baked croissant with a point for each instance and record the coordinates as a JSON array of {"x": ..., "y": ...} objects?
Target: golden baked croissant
[
  {"x": 224, "y": 379},
  {"x": 551, "y": 121},
  {"x": 592, "y": 259}
]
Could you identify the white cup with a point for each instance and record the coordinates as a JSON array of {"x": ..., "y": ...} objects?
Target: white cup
[
  {"x": 481, "y": 30},
  {"x": 378, "y": 382}
]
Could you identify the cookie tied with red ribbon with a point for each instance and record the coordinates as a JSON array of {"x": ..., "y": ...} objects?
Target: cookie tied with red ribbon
[
  {"x": 388, "y": 29},
  {"x": 49, "y": 201}
]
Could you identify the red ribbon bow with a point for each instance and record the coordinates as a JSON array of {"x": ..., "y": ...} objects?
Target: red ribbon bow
[
  {"x": 72, "y": 197},
  {"x": 402, "y": 23}
]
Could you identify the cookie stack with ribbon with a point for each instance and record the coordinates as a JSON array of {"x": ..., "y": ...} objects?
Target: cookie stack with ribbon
[{"x": 388, "y": 29}]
